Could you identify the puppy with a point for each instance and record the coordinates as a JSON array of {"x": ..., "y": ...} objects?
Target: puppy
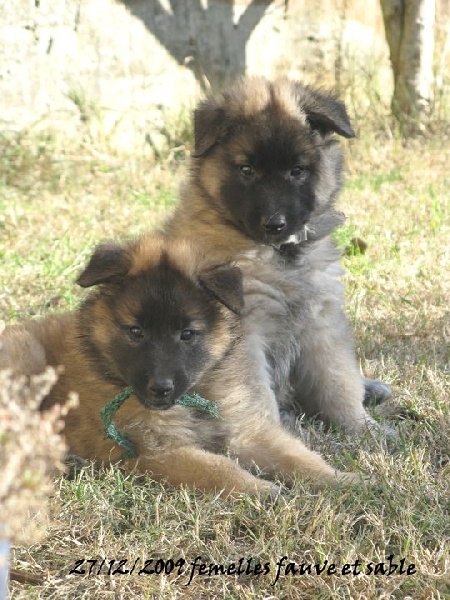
[
  {"x": 265, "y": 173},
  {"x": 165, "y": 319}
]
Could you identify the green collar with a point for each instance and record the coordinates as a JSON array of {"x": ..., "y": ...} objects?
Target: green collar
[{"x": 107, "y": 413}]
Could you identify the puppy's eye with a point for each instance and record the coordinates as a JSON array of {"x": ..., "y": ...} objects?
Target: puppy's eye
[
  {"x": 187, "y": 335},
  {"x": 297, "y": 171},
  {"x": 136, "y": 332},
  {"x": 246, "y": 170}
]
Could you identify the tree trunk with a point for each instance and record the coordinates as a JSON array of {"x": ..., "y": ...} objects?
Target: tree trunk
[
  {"x": 409, "y": 26},
  {"x": 203, "y": 37}
]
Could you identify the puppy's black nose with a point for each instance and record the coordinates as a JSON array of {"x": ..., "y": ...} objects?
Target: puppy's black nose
[
  {"x": 161, "y": 387},
  {"x": 275, "y": 224}
]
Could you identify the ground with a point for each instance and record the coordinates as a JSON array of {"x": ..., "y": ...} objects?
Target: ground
[{"x": 58, "y": 198}]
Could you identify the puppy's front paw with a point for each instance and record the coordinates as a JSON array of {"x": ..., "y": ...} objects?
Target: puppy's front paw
[
  {"x": 290, "y": 421},
  {"x": 349, "y": 479},
  {"x": 74, "y": 464}
]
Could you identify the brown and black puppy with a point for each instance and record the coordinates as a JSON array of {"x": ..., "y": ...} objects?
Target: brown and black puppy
[
  {"x": 265, "y": 173},
  {"x": 165, "y": 319}
]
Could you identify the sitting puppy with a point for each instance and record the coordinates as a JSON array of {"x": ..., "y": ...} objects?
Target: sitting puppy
[
  {"x": 164, "y": 320},
  {"x": 265, "y": 174}
]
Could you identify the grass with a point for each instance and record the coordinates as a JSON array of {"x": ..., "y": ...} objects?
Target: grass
[{"x": 58, "y": 199}]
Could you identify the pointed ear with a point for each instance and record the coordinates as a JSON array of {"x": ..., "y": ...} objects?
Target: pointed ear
[
  {"x": 209, "y": 126},
  {"x": 324, "y": 112},
  {"x": 225, "y": 284},
  {"x": 108, "y": 262}
]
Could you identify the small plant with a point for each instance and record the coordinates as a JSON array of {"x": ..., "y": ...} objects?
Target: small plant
[
  {"x": 171, "y": 136},
  {"x": 31, "y": 449}
]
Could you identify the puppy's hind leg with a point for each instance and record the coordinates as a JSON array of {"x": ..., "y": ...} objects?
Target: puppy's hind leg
[
  {"x": 376, "y": 392},
  {"x": 21, "y": 352}
]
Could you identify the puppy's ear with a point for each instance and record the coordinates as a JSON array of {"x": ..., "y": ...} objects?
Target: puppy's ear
[
  {"x": 225, "y": 284},
  {"x": 324, "y": 112},
  {"x": 109, "y": 262},
  {"x": 209, "y": 126}
]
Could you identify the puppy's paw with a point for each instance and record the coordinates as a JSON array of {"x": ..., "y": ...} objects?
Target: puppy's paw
[
  {"x": 349, "y": 479},
  {"x": 275, "y": 492},
  {"x": 74, "y": 464},
  {"x": 376, "y": 392},
  {"x": 291, "y": 421}
]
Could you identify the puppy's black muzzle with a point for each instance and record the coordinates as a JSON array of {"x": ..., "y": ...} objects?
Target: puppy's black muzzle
[
  {"x": 279, "y": 228},
  {"x": 275, "y": 226},
  {"x": 161, "y": 388},
  {"x": 160, "y": 394}
]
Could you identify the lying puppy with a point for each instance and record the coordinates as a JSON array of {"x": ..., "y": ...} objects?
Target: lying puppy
[
  {"x": 264, "y": 177},
  {"x": 164, "y": 320}
]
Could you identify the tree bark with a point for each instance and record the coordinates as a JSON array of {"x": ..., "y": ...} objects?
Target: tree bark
[
  {"x": 409, "y": 26},
  {"x": 204, "y": 38}
]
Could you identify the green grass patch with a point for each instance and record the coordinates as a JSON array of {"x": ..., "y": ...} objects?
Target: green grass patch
[
  {"x": 57, "y": 201},
  {"x": 374, "y": 181}
]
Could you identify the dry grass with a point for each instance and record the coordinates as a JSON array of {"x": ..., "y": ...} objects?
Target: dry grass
[{"x": 56, "y": 203}]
